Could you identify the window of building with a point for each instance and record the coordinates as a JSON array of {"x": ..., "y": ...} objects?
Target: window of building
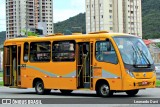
[
  {"x": 105, "y": 52},
  {"x": 40, "y": 52},
  {"x": 87, "y": 6},
  {"x": 136, "y": 7},
  {"x": 63, "y": 51},
  {"x": 110, "y": 17},
  {"x": 132, "y": 12},
  {"x": 94, "y": 17},
  {"x": 102, "y": 16},
  {"x": 26, "y": 50}
]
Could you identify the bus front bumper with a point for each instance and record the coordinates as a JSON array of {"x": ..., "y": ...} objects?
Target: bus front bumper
[{"x": 132, "y": 84}]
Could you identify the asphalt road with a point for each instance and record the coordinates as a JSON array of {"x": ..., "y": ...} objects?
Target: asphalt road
[{"x": 30, "y": 93}]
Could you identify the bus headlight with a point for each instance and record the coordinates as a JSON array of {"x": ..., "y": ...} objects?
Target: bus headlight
[
  {"x": 130, "y": 73},
  {"x": 154, "y": 73}
]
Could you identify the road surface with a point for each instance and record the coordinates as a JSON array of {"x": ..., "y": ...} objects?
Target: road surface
[
  {"x": 30, "y": 93},
  {"x": 87, "y": 95}
]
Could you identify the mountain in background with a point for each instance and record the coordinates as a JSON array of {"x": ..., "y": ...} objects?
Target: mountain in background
[
  {"x": 73, "y": 24},
  {"x": 2, "y": 37},
  {"x": 150, "y": 17}
]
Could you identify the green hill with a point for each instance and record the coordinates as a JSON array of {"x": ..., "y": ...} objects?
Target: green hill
[
  {"x": 2, "y": 37},
  {"x": 151, "y": 18},
  {"x": 76, "y": 23}
]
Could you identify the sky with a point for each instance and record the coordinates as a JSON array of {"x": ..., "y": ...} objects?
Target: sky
[{"x": 62, "y": 10}]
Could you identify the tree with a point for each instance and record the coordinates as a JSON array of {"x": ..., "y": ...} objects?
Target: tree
[{"x": 30, "y": 33}]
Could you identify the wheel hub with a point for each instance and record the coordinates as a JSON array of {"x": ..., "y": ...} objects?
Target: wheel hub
[
  {"x": 39, "y": 87},
  {"x": 104, "y": 90}
]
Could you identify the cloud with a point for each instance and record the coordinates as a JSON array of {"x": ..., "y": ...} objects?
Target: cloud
[
  {"x": 61, "y": 15},
  {"x": 75, "y": 7},
  {"x": 78, "y": 4}
]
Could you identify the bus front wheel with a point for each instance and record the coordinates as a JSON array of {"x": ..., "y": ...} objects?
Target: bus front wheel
[
  {"x": 103, "y": 90},
  {"x": 132, "y": 92},
  {"x": 40, "y": 88}
]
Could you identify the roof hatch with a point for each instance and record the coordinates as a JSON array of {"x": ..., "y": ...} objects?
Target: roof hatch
[{"x": 98, "y": 32}]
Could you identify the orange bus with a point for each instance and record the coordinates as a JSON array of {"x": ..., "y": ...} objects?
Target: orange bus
[{"x": 100, "y": 61}]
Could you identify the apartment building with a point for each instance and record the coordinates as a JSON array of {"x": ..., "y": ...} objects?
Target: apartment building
[
  {"x": 27, "y": 15},
  {"x": 123, "y": 16}
]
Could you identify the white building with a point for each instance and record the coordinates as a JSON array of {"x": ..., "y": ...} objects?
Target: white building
[
  {"x": 1, "y": 61},
  {"x": 123, "y": 16},
  {"x": 43, "y": 26},
  {"x": 25, "y": 14}
]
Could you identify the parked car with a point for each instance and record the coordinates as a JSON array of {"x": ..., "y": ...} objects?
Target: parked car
[{"x": 157, "y": 68}]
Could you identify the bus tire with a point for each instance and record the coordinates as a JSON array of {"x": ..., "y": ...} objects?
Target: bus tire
[
  {"x": 66, "y": 91},
  {"x": 103, "y": 90},
  {"x": 132, "y": 92},
  {"x": 39, "y": 87}
]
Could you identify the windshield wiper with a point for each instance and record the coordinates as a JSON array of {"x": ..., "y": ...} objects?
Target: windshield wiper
[
  {"x": 144, "y": 56},
  {"x": 135, "y": 58}
]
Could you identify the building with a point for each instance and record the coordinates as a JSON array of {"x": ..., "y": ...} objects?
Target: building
[
  {"x": 1, "y": 61},
  {"x": 24, "y": 15},
  {"x": 123, "y": 16}
]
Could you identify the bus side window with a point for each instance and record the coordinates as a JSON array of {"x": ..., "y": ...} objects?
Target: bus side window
[
  {"x": 63, "y": 51},
  {"x": 40, "y": 51},
  {"x": 25, "y": 52},
  {"x": 105, "y": 52}
]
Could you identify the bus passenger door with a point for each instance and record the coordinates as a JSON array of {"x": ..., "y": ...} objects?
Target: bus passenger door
[
  {"x": 84, "y": 64},
  {"x": 19, "y": 66},
  {"x": 11, "y": 69}
]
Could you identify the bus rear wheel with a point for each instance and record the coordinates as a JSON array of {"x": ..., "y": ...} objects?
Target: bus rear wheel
[
  {"x": 39, "y": 87},
  {"x": 103, "y": 90},
  {"x": 66, "y": 91},
  {"x": 132, "y": 92}
]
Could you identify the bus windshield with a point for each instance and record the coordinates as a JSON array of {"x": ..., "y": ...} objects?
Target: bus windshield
[{"x": 133, "y": 51}]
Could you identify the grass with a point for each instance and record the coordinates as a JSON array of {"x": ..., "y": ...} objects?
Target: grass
[
  {"x": 1, "y": 83},
  {"x": 158, "y": 83},
  {"x": 1, "y": 74}
]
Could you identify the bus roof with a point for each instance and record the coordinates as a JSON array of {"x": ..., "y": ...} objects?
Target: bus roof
[{"x": 66, "y": 37}]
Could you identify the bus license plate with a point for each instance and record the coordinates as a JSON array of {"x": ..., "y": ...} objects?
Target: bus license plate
[{"x": 144, "y": 83}]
